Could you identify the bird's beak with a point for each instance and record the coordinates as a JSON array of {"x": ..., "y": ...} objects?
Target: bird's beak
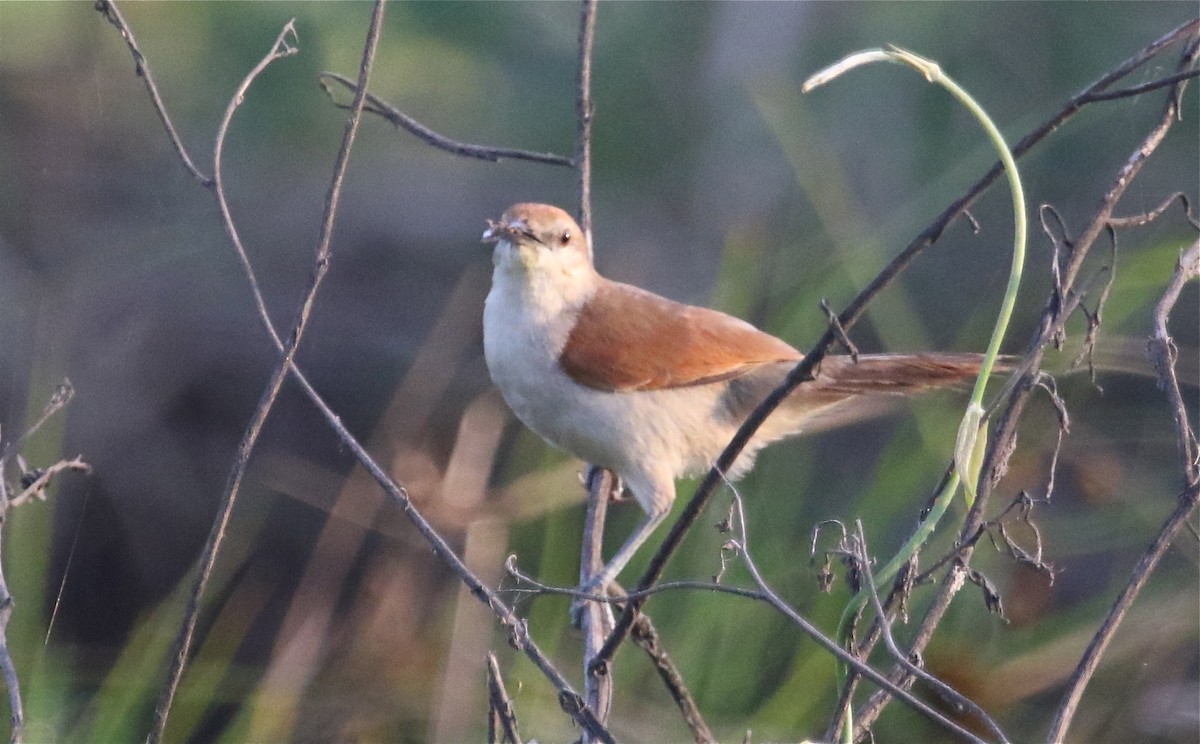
[
  {"x": 493, "y": 233},
  {"x": 512, "y": 230}
]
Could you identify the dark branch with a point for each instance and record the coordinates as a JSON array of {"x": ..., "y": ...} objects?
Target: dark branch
[
  {"x": 645, "y": 636},
  {"x": 500, "y": 709},
  {"x": 284, "y": 46},
  {"x": 949, "y": 694},
  {"x": 1137, "y": 90},
  {"x": 519, "y": 636},
  {"x": 403, "y": 121},
  {"x": 1058, "y": 308},
  {"x": 113, "y": 15},
  {"x": 1162, "y": 353},
  {"x": 803, "y": 371},
  {"x": 583, "y": 114}
]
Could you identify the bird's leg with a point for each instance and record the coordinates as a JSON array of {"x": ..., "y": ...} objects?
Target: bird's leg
[{"x": 598, "y": 582}]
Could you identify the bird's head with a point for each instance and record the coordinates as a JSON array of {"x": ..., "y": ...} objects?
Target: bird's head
[{"x": 538, "y": 240}]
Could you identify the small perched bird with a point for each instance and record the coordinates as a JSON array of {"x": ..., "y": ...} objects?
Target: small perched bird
[{"x": 650, "y": 388}]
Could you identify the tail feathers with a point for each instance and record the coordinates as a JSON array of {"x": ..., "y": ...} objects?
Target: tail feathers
[
  {"x": 846, "y": 392},
  {"x": 898, "y": 374}
]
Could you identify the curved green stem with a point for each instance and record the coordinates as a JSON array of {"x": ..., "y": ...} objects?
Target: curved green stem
[{"x": 972, "y": 434}]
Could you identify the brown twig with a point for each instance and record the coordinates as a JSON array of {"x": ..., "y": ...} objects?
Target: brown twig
[
  {"x": 1162, "y": 352},
  {"x": 500, "y": 709},
  {"x": 601, "y": 484},
  {"x": 583, "y": 113},
  {"x": 804, "y": 369},
  {"x": 283, "y": 46},
  {"x": 1145, "y": 218},
  {"x": 645, "y": 636},
  {"x": 519, "y": 637},
  {"x": 63, "y": 393},
  {"x": 36, "y": 489},
  {"x": 762, "y": 594},
  {"x": 1059, "y": 307},
  {"x": 113, "y": 15},
  {"x": 955, "y": 698},
  {"x": 1137, "y": 90},
  {"x": 33, "y": 485},
  {"x": 403, "y": 121},
  {"x": 597, "y": 619},
  {"x": 12, "y": 682},
  {"x": 860, "y": 666}
]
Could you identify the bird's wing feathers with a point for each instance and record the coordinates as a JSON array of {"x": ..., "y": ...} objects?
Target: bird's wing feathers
[{"x": 629, "y": 339}]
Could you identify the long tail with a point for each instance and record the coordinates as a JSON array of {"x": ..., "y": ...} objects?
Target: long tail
[
  {"x": 899, "y": 374},
  {"x": 846, "y": 391}
]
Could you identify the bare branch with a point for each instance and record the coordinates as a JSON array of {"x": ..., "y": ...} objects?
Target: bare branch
[
  {"x": 401, "y": 120},
  {"x": 645, "y": 636},
  {"x": 1059, "y": 307},
  {"x": 858, "y": 665},
  {"x": 597, "y": 617},
  {"x": 584, "y": 111},
  {"x": 1138, "y": 220},
  {"x": 1162, "y": 353},
  {"x": 804, "y": 369},
  {"x": 63, "y": 393},
  {"x": 33, "y": 484},
  {"x": 519, "y": 637},
  {"x": 36, "y": 487},
  {"x": 955, "y": 698},
  {"x": 500, "y": 710},
  {"x": 284, "y": 46},
  {"x": 11, "y": 681},
  {"x": 836, "y": 325},
  {"x": 1137, "y": 90},
  {"x": 113, "y": 15}
]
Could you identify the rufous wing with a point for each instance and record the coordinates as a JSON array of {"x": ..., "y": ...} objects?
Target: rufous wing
[{"x": 628, "y": 339}]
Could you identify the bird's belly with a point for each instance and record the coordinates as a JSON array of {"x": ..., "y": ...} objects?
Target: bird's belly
[{"x": 671, "y": 429}]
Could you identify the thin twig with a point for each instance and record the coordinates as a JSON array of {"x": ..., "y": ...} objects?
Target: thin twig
[
  {"x": 1137, "y": 90},
  {"x": 35, "y": 488},
  {"x": 519, "y": 637},
  {"x": 583, "y": 113},
  {"x": 1145, "y": 218},
  {"x": 12, "y": 682},
  {"x": 1058, "y": 309},
  {"x": 859, "y": 665},
  {"x": 1162, "y": 353},
  {"x": 500, "y": 709},
  {"x": 597, "y": 618},
  {"x": 63, "y": 393},
  {"x": 645, "y": 636},
  {"x": 182, "y": 647},
  {"x": 401, "y": 120},
  {"x": 948, "y": 693},
  {"x": 617, "y": 597},
  {"x": 113, "y": 15},
  {"x": 804, "y": 369}
]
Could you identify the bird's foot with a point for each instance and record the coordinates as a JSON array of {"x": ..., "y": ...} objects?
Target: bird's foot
[
  {"x": 616, "y": 491},
  {"x": 596, "y": 586}
]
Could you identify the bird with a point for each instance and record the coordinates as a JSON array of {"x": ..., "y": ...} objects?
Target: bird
[{"x": 650, "y": 388}]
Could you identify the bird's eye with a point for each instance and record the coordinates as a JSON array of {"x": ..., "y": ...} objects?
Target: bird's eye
[{"x": 565, "y": 238}]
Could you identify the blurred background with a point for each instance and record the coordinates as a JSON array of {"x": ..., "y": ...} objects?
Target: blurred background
[{"x": 714, "y": 183}]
